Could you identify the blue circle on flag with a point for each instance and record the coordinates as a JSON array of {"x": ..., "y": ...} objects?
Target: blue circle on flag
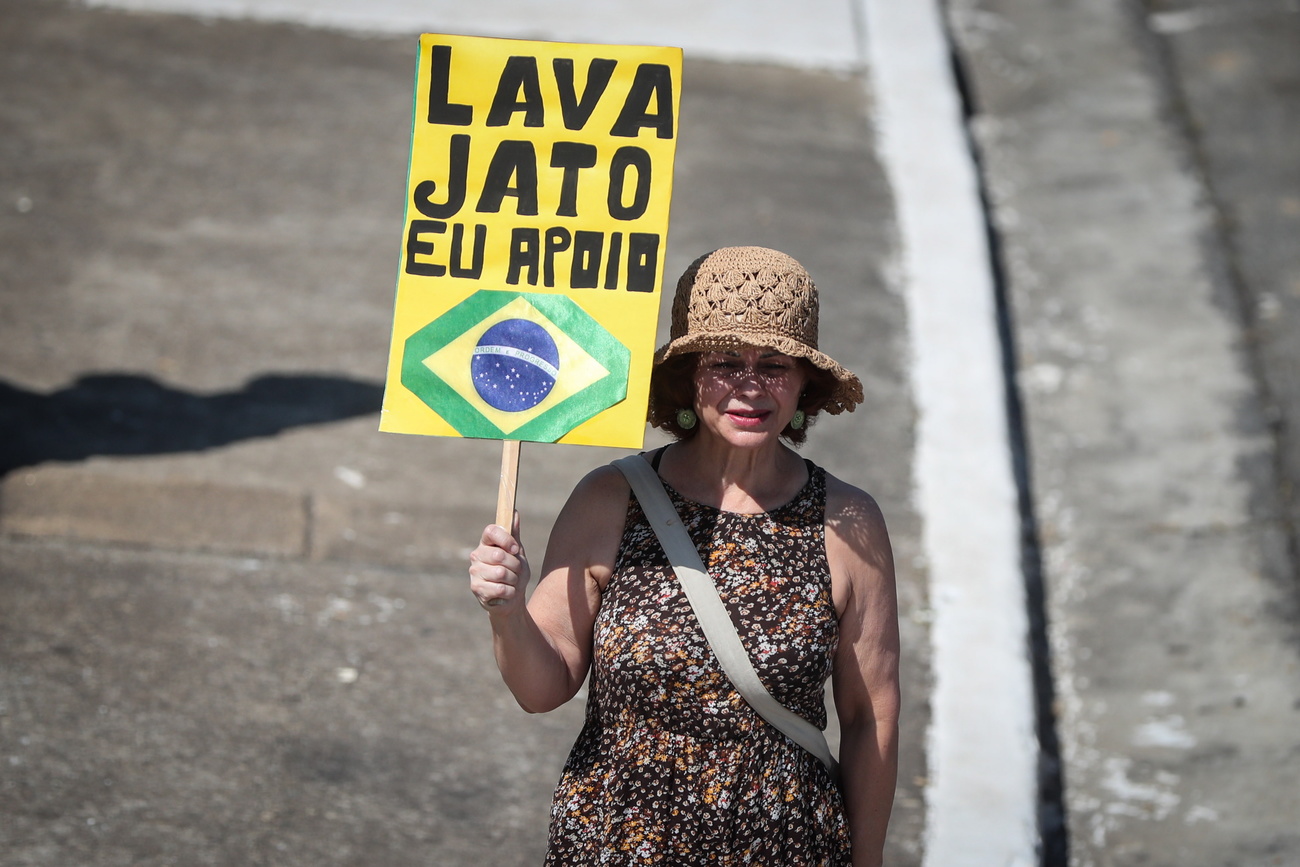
[{"x": 515, "y": 365}]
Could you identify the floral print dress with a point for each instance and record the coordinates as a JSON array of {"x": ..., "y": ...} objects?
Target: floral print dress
[{"x": 672, "y": 766}]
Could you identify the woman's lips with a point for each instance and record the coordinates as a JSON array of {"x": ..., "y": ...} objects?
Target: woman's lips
[{"x": 748, "y": 418}]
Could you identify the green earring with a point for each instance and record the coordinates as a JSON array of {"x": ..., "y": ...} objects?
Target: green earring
[
  {"x": 799, "y": 419},
  {"x": 687, "y": 419}
]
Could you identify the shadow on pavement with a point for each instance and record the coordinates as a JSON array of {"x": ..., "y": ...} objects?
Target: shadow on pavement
[{"x": 128, "y": 414}]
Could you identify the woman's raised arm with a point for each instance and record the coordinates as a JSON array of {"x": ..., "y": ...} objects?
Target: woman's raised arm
[{"x": 543, "y": 647}]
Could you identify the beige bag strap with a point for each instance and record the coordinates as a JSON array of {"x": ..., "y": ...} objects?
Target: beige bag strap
[{"x": 712, "y": 613}]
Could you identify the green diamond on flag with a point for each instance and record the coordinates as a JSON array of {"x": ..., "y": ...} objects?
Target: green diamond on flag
[{"x": 516, "y": 365}]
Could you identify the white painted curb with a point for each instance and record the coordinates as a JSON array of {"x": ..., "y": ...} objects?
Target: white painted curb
[{"x": 982, "y": 794}]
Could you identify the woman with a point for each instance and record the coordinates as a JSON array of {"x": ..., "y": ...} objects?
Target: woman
[{"x": 672, "y": 766}]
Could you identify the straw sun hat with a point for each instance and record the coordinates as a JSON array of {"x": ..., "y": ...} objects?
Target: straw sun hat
[{"x": 752, "y": 296}]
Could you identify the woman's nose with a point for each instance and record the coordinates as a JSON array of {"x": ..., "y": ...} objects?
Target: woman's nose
[{"x": 748, "y": 377}]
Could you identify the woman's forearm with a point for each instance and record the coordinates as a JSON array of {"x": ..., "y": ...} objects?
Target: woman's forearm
[{"x": 869, "y": 773}]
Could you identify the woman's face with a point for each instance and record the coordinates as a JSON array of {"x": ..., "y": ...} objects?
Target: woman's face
[{"x": 747, "y": 396}]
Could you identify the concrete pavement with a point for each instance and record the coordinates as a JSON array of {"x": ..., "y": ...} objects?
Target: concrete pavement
[
  {"x": 214, "y": 202},
  {"x": 251, "y": 643}
]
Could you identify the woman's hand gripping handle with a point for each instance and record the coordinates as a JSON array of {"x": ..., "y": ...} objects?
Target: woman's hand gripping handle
[{"x": 499, "y": 571}]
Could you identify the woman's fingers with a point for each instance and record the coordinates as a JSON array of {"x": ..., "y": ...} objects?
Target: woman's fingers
[
  {"x": 492, "y": 585},
  {"x": 498, "y": 569},
  {"x": 500, "y": 537}
]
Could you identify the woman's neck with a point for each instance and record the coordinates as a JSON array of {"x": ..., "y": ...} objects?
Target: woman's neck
[{"x": 748, "y": 481}]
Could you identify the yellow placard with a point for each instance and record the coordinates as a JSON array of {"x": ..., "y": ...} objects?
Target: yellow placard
[{"x": 534, "y": 240}]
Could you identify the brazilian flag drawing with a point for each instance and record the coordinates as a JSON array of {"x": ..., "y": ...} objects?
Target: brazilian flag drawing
[{"x": 516, "y": 365}]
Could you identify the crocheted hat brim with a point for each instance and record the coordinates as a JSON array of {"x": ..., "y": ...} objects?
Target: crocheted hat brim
[{"x": 846, "y": 396}]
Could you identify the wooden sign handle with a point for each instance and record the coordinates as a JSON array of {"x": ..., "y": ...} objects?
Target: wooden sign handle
[{"x": 509, "y": 484}]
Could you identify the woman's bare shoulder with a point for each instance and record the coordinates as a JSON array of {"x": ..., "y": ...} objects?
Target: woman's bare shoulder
[
  {"x": 591, "y": 523},
  {"x": 849, "y": 505},
  {"x": 602, "y": 487},
  {"x": 855, "y": 525}
]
